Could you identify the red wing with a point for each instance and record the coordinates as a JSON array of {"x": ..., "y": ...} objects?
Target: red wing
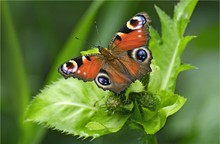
[
  {"x": 85, "y": 67},
  {"x": 136, "y": 66},
  {"x": 113, "y": 76},
  {"x": 134, "y": 34}
]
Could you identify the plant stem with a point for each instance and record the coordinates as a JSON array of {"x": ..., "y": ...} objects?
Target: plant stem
[{"x": 150, "y": 139}]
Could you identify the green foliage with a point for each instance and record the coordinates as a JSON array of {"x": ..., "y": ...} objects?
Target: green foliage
[
  {"x": 18, "y": 82},
  {"x": 83, "y": 109},
  {"x": 82, "y": 30},
  {"x": 168, "y": 49},
  {"x": 63, "y": 107}
]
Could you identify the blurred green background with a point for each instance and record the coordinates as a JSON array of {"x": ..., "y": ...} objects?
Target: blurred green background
[{"x": 37, "y": 36}]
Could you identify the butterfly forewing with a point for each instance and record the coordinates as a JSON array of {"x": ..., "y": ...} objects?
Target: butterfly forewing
[
  {"x": 85, "y": 67},
  {"x": 133, "y": 34}
]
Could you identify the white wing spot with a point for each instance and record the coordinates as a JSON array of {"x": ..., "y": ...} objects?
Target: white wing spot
[
  {"x": 139, "y": 36},
  {"x": 78, "y": 71},
  {"x": 84, "y": 73}
]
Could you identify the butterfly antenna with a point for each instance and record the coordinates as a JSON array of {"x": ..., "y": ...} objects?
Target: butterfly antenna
[
  {"x": 97, "y": 31},
  {"x": 91, "y": 45}
]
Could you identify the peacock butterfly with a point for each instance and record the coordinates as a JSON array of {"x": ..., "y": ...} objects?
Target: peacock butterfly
[{"x": 126, "y": 59}]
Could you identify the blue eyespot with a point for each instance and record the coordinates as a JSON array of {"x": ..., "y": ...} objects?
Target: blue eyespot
[
  {"x": 103, "y": 80},
  {"x": 143, "y": 19},
  {"x": 141, "y": 55}
]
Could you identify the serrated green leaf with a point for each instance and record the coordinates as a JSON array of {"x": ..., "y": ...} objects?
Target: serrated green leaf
[
  {"x": 184, "y": 67},
  {"x": 167, "y": 27},
  {"x": 168, "y": 49},
  {"x": 182, "y": 14},
  {"x": 165, "y": 53},
  {"x": 66, "y": 107},
  {"x": 155, "y": 36},
  {"x": 184, "y": 41},
  {"x": 111, "y": 122}
]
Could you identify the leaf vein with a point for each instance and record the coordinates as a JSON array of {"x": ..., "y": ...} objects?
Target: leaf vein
[
  {"x": 164, "y": 85},
  {"x": 75, "y": 104}
]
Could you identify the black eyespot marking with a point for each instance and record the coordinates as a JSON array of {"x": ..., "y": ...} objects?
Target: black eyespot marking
[
  {"x": 118, "y": 37},
  {"x": 125, "y": 29},
  {"x": 78, "y": 60},
  {"x": 103, "y": 71},
  {"x": 103, "y": 80},
  {"x": 143, "y": 19},
  {"x": 88, "y": 58},
  {"x": 69, "y": 65},
  {"x": 130, "y": 53},
  {"x": 132, "y": 21},
  {"x": 141, "y": 55}
]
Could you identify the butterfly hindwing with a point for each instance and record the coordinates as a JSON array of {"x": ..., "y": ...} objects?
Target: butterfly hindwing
[
  {"x": 113, "y": 76},
  {"x": 137, "y": 62}
]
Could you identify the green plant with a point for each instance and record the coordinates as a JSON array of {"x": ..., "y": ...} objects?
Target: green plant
[{"x": 82, "y": 109}]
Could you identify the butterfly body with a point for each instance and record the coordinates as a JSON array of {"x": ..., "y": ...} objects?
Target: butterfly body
[{"x": 126, "y": 59}]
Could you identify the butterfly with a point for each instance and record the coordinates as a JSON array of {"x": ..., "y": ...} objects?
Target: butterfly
[{"x": 126, "y": 59}]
